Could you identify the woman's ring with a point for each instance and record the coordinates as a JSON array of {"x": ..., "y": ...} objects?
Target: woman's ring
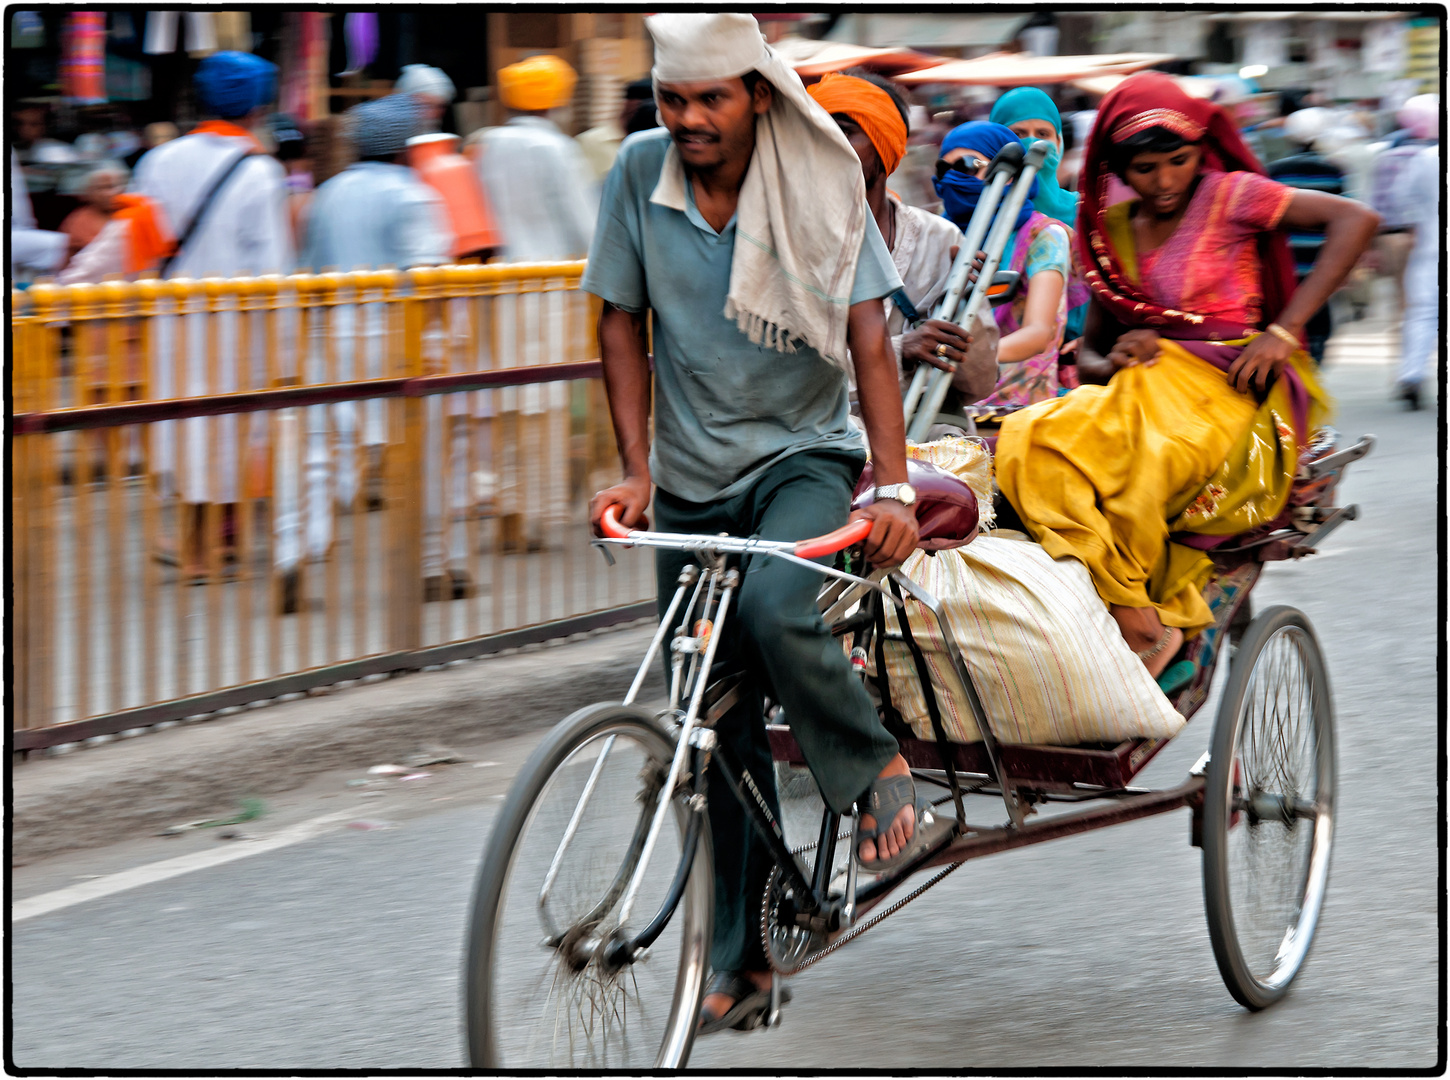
[{"x": 941, "y": 350}]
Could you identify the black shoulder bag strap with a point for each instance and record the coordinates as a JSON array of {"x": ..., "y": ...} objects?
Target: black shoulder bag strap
[{"x": 206, "y": 201}]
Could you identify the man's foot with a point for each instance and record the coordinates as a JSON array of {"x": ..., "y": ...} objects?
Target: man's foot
[
  {"x": 889, "y": 843},
  {"x": 1409, "y": 393},
  {"x": 289, "y": 593},
  {"x": 727, "y": 992}
]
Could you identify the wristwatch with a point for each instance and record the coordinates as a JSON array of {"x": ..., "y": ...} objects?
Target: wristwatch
[{"x": 905, "y": 494}]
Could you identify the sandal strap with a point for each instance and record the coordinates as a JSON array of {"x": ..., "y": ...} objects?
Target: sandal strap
[
  {"x": 884, "y": 799},
  {"x": 733, "y": 984}
]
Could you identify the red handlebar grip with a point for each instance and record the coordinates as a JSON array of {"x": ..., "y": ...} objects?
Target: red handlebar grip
[
  {"x": 610, "y": 526},
  {"x": 851, "y": 533}
]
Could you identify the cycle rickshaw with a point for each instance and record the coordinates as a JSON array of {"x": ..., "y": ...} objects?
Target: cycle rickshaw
[{"x": 591, "y": 923}]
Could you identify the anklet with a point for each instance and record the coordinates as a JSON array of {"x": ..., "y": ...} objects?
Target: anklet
[{"x": 1148, "y": 654}]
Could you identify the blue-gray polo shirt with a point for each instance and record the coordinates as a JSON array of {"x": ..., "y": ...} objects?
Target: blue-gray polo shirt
[{"x": 725, "y": 410}]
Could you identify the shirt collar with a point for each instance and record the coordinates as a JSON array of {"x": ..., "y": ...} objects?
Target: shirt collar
[
  {"x": 670, "y": 189},
  {"x": 673, "y": 190}
]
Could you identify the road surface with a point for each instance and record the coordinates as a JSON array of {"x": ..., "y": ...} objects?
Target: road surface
[{"x": 342, "y": 949}]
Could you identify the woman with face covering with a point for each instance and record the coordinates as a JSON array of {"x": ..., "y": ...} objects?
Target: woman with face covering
[
  {"x": 1195, "y": 331},
  {"x": 1031, "y": 116},
  {"x": 1032, "y": 325}
]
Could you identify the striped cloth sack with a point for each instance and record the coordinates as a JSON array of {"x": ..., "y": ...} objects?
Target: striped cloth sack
[{"x": 1048, "y": 661}]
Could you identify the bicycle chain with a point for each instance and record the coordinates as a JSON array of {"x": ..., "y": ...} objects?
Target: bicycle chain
[{"x": 847, "y": 936}]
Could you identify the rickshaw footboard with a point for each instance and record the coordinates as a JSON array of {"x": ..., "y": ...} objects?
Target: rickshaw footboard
[{"x": 978, "y": 842}]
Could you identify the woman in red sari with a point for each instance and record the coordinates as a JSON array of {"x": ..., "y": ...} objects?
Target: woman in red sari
[{"x": 1194, "y": 334}]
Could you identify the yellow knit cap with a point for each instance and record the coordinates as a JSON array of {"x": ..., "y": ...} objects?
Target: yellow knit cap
[{"x": 538, "y": 83}]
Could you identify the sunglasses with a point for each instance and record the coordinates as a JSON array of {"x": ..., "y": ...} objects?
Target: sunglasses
[{"x": 968, "y": 165}]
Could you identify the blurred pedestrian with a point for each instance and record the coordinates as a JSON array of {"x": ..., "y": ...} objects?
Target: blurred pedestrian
[
  {"x": 601, "y": 144},
  {"x": 97, "y": 189},
  {"x": 1392, "y": 197},
  {"x": 433, "y": 89},
  {"x": 1420, "y": 338},
  {"x": 113, "y": 231},
  {"x": 291, "y": 150},
  {"x": 1039, "y": 249},
  {"x": 33, "y": 251},
  {"x": 872, "y": 114},
  {"x": 1307, "y": 169},
  {"x": 225, "y": 200},
  {"x": 537, "y": 178},
  {"x": 545, "y": 202},
  {"x": 375, "y": 213}
]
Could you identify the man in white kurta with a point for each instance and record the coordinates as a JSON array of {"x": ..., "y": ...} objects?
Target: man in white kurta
[
  {"x": 376, "y": 213},
  {"x": 545, "y": 202},
  {"x": 243, "y": 232}
]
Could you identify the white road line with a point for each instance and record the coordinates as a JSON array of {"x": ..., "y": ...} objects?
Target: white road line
[{"x": 45, "y": 903}]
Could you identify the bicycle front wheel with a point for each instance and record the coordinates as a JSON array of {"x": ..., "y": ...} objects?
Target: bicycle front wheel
[{"x": 540, "y": 992}]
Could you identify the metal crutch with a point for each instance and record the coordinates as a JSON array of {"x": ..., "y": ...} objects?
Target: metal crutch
[
  {"x": 1002, "y": 229},
  {"x": 1004, "y": 167}
]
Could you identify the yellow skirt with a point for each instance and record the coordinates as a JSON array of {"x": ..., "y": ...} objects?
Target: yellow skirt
[{"x": 1100, "y": 473}]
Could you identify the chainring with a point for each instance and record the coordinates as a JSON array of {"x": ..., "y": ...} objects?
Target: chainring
[{"x": 788, "y": 947}]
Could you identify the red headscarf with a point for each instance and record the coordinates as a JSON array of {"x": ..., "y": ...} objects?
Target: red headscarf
[{"x": 1152, "y": 99}]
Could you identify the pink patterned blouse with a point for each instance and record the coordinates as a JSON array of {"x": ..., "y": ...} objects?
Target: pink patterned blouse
[{"x": 1210, "y": 265}]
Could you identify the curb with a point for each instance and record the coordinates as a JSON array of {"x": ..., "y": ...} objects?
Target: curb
[{"x": 138, "y": 786}]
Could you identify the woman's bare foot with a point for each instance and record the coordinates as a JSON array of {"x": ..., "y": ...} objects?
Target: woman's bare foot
[
  {"x": 888, "y": 844},
  {"x": 1144, "y": 632}
]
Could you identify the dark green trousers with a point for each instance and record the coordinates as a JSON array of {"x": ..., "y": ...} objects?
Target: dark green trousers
[{"x": 776, "y": 634}]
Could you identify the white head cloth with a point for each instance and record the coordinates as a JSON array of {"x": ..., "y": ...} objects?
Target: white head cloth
[
  {"x": 422, "y": 79},
  {"x": 802, "y": 207},
  {"x": 1306, "y": 125}
]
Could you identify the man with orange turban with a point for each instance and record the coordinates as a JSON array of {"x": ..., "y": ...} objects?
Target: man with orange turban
[
  {"x": 872, "y": 115},
  {"x": 538, "y": 180},
  {"x": 545, "y": 202}
]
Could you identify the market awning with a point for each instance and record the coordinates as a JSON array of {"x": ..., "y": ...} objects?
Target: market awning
[
  {"x": 896, "y": 29},
  {"x": 813, "y": 58},
  {"x": 1017, "y": 69},
  {"x": 1192, "y": 85}
]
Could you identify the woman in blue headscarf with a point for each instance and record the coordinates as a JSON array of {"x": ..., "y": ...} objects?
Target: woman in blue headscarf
[
  {"x": 1031, "y": 115},
  {"x": 1032, "y": 325}
]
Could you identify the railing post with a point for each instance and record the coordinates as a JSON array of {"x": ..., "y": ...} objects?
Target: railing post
[{"x": 405, "y": 476}]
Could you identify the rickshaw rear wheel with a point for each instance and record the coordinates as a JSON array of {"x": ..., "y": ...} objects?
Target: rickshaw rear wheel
[
  {"x": 541, "y": 990},
  {"x": 1268, "y": 810}
]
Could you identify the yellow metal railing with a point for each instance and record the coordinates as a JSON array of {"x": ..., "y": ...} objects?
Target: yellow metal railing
[{"x": 224, "y": 490}]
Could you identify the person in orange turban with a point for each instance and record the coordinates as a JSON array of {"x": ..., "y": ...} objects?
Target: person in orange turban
[
  {"x": 871, "y": 113},
  {"x": 537, "y": 84}
]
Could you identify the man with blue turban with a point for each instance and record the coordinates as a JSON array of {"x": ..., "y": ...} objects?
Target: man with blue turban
[{"x": 225, "y": 201}]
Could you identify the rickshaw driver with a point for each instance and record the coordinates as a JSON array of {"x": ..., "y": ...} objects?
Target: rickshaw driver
[{"x": 751, "y": 430}]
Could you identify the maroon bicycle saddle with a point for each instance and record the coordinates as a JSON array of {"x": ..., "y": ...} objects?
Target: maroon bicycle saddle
[{"x": 946, "y": 508}]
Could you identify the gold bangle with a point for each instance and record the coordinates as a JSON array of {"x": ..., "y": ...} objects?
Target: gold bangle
[{"x": 1283, "y": 335}]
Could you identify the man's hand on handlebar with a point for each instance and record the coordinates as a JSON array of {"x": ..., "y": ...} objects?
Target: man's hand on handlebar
[
  {"x": 631, "y": 495},
  {"x": 893, "y": 532}
]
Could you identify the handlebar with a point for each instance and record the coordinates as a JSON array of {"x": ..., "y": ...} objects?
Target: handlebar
[{"x": 853, "y": 532}]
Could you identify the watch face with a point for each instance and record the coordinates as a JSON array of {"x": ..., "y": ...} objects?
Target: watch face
[{"x": 906, "y": 493}]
